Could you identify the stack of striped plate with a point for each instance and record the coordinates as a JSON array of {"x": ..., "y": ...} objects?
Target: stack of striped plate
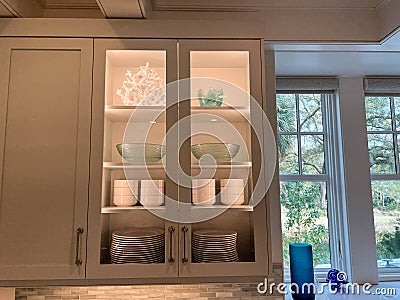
[
  {"x": 137, "y": 245},
  {"x": 214, "y": 245}
]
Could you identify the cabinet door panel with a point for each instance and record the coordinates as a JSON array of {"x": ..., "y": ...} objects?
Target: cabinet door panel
[
  {"x": 44, "y": 189},
  {"x": 113, "y": 58},
  {"x": 223, "y": 75}
]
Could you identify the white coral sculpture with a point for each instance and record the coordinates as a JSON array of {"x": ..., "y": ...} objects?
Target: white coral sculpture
[{"x": 144, "y": 87}]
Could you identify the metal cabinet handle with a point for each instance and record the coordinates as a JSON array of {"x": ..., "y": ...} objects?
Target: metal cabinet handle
[
  {"x": 184, "y": 230},
  {"x": 78, "y": 260},
  {"x": 171, "y": 230}
]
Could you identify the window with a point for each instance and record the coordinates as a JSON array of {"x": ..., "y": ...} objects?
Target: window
[
  {"x": 383, "y": 129},
  {"x": 304, "y": 139}
]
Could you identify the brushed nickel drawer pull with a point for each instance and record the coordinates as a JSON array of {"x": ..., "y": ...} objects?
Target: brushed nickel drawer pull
[
  {"x": 171, "y": 230},
  {"x": 78, "y": 260},
  {"x": 184, "y": 259}
]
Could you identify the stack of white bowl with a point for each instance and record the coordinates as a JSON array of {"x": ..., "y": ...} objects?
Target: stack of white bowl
[
  {"x": 203, "y": 192},
  {"x": 152, "y": 192},
  {"x": 232, "y": 191},
  {"x": 123, "y": 195}
]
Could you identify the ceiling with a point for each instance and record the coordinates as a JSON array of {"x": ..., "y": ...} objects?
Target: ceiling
[
  {"x": 230, "y": 5},
  {"x": 4, "y": 11},
  {"x": 317, "y": 56},
  {"x": 332, "y": 63},
  {"x": 74, "y": 4}
]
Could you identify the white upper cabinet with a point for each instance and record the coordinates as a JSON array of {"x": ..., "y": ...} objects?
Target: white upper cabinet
[
  {"x": 45, "y": 96},
  {"x": 150, "y": 197}
]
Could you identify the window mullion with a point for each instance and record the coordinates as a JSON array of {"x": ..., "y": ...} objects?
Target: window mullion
[
  {"x": 299, "y": 155},
  {"x": 333, "y": 205},
  {"x": 395, "y": 141}
]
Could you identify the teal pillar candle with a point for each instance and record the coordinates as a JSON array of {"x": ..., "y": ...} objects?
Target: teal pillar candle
[{"x": 301, "y": 271}]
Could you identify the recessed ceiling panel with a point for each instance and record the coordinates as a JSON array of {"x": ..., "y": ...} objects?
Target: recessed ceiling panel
[
  {"x": 4, "y": 12},
  {"x": 251, "y": 5}
]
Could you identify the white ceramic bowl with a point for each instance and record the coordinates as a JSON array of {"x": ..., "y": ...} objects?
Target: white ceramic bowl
[
  {"x": 200, "y": 183},
  {"x": 150, "y": 200},
  {"x": 151, "y": 188},
  {"x": 203, "y": 187},
  {"x": 229, "y": 199},
  {"x": 209, "y": 190},
  {"x": 124, "y": 200},
  {"x": 125, "y": 183},
  {"x": 203, "y": 199},
  {"x": 124, "y": 192}
]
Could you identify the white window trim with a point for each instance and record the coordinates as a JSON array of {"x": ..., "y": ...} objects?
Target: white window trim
[
  {"x": 359, "y": 233},
  {"x": 333, "y": 179},
  {"x": 386, "y": 274}
]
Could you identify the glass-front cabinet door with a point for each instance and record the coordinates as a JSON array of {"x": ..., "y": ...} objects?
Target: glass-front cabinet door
[
  {"x": 222, "y": 207},
  {"x": 176, "y": 182},
  {"x": 129, "y": 234}
]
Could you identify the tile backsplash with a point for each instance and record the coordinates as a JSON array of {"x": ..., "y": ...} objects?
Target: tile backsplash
[{"x": 186, "y": 291}]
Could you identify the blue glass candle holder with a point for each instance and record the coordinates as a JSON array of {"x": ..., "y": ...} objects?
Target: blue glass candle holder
[{"x": 301, "y": 271}]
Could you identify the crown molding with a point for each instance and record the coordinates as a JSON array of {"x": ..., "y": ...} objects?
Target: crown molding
[{"x": 68, "y": 4}]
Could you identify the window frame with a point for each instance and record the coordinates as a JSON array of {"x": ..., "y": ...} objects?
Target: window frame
[
  {"x": 333, "y": 176},
  {"x": 388, "y": 274}
]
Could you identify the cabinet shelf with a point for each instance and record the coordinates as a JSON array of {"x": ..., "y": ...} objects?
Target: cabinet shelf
[
  {"x": 233, "y": 114},
  {"x": 225, "y": 165},
  {"x": 150, "y": 113},
  {"x": 131, "y": 209},
  {"x": 145, "y": 113},
  {"x": 128, "y": 209},
  {"x": 233, "y": 207},
  {"x": 139, "y": 166},
  {"x": 159, "y": 165}
]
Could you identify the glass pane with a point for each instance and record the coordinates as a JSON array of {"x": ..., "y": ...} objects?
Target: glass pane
[
  {"x": 310, "y": 113},
  {"x": 378, "y": 113},
  {"x": 304, "y": 219},
  {"x": 381, "y": 153},
  {"x": 135, "y": 77},
  {"x": 386, "y": 203},
  {"x": 288, "y": 154},
  {"x": 134, "y": 136},
  {"x": 222, "y": 147},
  {"x": 226, "y": 71},
  {"x": 397, "y": 109},
  {"x": 312, "y": 154},
  {"x": 286, "y": 112}
]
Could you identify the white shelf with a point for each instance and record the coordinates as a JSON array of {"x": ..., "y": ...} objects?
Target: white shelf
[
  {"x": 127, "y": 209},
  {"x": 221, "y": 207},
  {"x": 225, "y": 165},
  {"x": 139, "y": 166},
  {"x": 159, "y": 165},
  {"x": 143, "y": 114},
  {"x": 131, "y": 209},
  {"x": 235, "y": 114}
]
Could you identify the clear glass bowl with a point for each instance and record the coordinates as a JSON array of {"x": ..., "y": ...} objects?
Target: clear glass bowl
[
  {"x": 141, "y": 152},
  {"x": 221, "y": 152}
]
